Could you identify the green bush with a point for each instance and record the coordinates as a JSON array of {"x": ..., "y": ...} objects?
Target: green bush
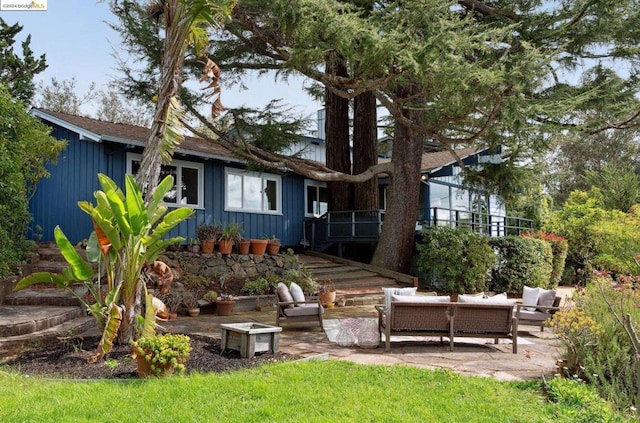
[
  {"x": 261, "y": 286},
  {"x": 521, "y": 261},
  {"x": 579, "y": 401},
  {"x": 598, "y": 238},
  {"x": 25, "y": 146},
  {"x": 455, "y": 260},
  {"x": 559, "y": 250},
  {"x": 610, "y": 364}
]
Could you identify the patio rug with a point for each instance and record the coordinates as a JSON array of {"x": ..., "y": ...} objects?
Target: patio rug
[{"x": 333, "y": 326}]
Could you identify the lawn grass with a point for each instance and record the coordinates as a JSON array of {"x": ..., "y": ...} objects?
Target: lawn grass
[{"x": 286, "y": 392}]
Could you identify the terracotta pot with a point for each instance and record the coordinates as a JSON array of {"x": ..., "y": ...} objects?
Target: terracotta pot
[
  {"x": 224, "y": 308},
  {"x": 258, "y": 246},
  {"x": 144, "y": 368},
  {"x": 243, "y": 247},
  {"x": 193, "y": 312},
  {"x": 225, "y": 246},
  {"x": 327, "y": 297},
  {"x": 208, "y": 246},
  {"x": 273, "y": 248}
]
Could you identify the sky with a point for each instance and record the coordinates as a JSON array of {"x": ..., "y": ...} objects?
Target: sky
[{"x": 78, "y": 43}]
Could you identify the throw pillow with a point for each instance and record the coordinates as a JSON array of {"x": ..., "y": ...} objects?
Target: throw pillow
[
  {"x": 284, "y": 295},
  {"x": 296, "y": 292},
  {"x": 388, "y": 292},
  {"x": 546, "y": 298},
  {"x": 530, "y": 297},
  {"x": 420, "y": 299}
]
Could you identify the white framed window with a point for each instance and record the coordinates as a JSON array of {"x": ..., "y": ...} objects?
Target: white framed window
[
  {"x": 188, "y": 177},
  {"x": 316, "y": 198},
  {"x": 252, "y": 192}
]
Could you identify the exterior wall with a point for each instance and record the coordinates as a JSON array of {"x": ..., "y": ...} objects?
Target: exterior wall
[{"x": 74, "y": 178}]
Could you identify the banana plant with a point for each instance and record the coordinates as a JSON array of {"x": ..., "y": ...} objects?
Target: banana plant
[{"x": 129, "y": 236}]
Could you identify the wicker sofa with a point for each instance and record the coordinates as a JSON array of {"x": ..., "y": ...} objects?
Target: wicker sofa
[{"x": 448, "y": 319}]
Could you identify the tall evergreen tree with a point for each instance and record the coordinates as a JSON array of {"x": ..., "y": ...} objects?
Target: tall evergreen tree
[{"x": 16, "y": 72}]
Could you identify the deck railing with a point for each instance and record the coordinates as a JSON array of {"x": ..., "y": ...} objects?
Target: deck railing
[{"x": 366, "y": 225}]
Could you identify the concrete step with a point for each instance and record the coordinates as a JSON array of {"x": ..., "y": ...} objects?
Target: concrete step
[
  {"x": 25, "y": 320},
  {"x": 376, "y": 282},
  {"x": 42, "y": 297},
  {"x": 344, "y": 276},
  {"x": 12, "y": 345}
]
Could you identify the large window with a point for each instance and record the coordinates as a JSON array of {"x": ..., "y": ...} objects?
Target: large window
[
  {"x": 188, "y": 180},
  {"x": 252, "y": 191},
  {"x": 316, "y": 198}
]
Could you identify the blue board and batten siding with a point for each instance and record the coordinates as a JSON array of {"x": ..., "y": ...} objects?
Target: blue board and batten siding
[{"x": 74, "y": 178}]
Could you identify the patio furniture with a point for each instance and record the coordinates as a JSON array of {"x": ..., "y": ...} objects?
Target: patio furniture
[
  {"x": 448, "y": 319},
  {"x": 250, "y": 338},
  {"x": 538, "y": 315},
  {"x": 299, "y": 309}
]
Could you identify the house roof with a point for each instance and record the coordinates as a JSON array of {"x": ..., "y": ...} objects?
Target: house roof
[
  {"x": 439, "y": 159},
  {"x": 100, "y": 131}
]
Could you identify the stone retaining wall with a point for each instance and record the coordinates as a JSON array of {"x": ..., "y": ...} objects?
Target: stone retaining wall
[{"x": 237, "y": 265}]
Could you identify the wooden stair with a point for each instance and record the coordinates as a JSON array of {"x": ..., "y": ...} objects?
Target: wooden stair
[{"x": 358, "y": 283}]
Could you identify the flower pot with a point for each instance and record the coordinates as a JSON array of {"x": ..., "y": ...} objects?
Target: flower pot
[
  {"x": 273, "y": 248},
  {"x": 195, "y": 248},
  {"x": 327, "y": 297},
  {"x": 144, "y": 368},
  {"x": 193, "y": 312},
  {"x": 225, "y": 246},
  {"x": 243, "y": 247},
  {"x": 208, "y": 246},
  {"x": 224, "y": 308},
  {"x": 258, "y": 246}
]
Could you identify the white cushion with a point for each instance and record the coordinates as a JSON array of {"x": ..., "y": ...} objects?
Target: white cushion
[
  {"x": 499, "y": 299},
  {"x": 302, "y": 311},
  {"x": 296, "y": 292},
  {"x": 420, "y": 299},
  {"x": 388, "y": 292},
  {"x": 530, "y": 297}
]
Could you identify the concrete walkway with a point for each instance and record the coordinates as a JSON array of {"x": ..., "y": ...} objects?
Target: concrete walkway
[{"x": 536, "y": 355}]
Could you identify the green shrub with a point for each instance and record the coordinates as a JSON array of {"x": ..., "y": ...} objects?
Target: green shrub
[
  {"x": 455, "y": 260},
  {"x": 598, "y": 238},
  {"x": 610, "y": 364},
  {"x": 521, "y": 261},
  {"x": 261, "y": 286},
  {"x": 579, "y": 401},
  {"x": 559, "y": 250},
  {"x": 25, "y": 147},
  {"x": 303, "y": 278}
]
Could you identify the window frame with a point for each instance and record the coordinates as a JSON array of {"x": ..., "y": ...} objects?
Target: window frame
[
  {"x": 263, "y": 177},
  {"x": 316, "y": 184},
  {"x": 179, "y": 165}
]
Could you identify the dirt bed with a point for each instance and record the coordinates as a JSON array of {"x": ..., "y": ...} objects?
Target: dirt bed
[{"x": 68, "y": 359}]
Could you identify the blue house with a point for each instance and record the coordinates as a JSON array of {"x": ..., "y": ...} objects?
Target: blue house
[
  {"x": 208, "y": 178},
  {"x": 220, "y": 188}
]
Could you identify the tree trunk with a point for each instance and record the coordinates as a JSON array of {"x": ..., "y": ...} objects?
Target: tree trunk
[
  {"x": 170, "y": 79},
  {"x": 395, "y": 246},
  {"x": 365, "y": 150},
  {"x": 337, "y": 138}
]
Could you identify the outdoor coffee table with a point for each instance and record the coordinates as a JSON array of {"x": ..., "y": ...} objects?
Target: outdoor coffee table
[{"x": 250, "y": 338}]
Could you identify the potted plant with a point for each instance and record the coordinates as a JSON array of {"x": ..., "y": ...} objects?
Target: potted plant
[
  {"x": 208, "y": 235},
  {"x": 258, "y": 246},
  {"x": 327, "y": 293},
  {"x": 273, "y": 245},
  {"x": 173, "y": 300},
  {"x": 209, "y": 302},
  {"x": 229, "y": 235},
  {"x": 194, "y": 245},
  {"x": 225, "y": 302},
  {"x": 244, "y": 246},
  {"x": 190, "y": 302},
  {"x": 161, "y": 355}
]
